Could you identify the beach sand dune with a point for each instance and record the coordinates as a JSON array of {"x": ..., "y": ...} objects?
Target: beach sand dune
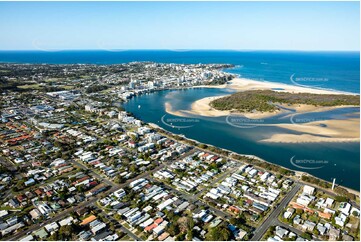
[
  {"x": 317, "y": 131},
  {"x": 202, "y": 107},
  {"x": 243, "y": 84}
]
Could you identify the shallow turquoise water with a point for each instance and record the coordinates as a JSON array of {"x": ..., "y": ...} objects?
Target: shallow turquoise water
[{"x": 338, "y": 160}]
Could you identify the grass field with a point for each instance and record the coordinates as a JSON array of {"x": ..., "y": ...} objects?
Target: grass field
[{"x": 31, "y": 86}]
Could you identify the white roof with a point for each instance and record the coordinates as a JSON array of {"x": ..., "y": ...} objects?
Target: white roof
[
  {"x": 329, "y": 201},
  {"x": 51, "y": 227},
  {"x": 27, "y": 238},
  {"x": 308, "y": 189},
  {"x": 66, "y": 221},
  {"x": 3, "y": 213}
]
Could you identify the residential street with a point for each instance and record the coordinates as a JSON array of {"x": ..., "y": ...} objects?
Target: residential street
[
  {"x": 66, "y": 212},
  {"x": 261, "y": 230}
]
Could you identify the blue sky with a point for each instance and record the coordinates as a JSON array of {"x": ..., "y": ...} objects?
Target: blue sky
[{"x": 180, "y": 25}]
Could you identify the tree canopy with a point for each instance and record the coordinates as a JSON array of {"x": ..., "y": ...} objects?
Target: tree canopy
[
  {"x": 265, "y": 100},
  {"x": 220, "y": 233}
]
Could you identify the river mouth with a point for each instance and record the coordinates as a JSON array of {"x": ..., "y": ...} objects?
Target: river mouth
[{"x": 326, "y": 160}]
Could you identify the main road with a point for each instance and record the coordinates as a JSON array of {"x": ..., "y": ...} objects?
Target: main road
[{"x": 261, "y": 230}]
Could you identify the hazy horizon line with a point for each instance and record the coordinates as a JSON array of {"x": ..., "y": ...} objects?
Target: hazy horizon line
[{"x": 175, "y": 50}]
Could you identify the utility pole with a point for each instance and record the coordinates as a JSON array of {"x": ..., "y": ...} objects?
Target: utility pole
[{"x": 333, "y": 183}]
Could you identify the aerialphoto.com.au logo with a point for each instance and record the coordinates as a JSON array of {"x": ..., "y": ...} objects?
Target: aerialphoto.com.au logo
[
  {"x": 308, "y": 164},
  {"x": 299, "y": 120},
  {"x": 307, "y": 81},
  {"x": 243, "y": 122},
  {"x": 179, "y": 123}
]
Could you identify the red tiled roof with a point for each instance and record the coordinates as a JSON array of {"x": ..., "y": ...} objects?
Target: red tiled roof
[
  {"x": 38, "y": 191},
  {"x": 89, "y": 219},
  {"x": 150, "y": 227},
  {"x": 158, "y": 221}
]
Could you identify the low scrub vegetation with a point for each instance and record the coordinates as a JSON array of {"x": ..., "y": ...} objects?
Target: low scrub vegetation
[{"x": 266, "y": 100}]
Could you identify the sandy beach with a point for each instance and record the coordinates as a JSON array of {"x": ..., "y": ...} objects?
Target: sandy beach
[
  {"x": 317, "y": 131},
  {"x": 201, "y": 107},
  {"x": 243, "y": 84}
]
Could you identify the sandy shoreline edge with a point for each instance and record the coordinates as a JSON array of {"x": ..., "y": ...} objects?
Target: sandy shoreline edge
[
  {"x": 312, "y": 132},
  {"x": 298, "y": 173},
  {"x": 202, "y": 106},
  {"x": 242, "y": 84}
]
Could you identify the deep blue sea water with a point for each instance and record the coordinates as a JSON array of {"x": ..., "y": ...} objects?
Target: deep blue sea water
[{"x": 328, "y": 70}]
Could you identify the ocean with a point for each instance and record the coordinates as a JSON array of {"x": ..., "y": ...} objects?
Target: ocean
[{"x": 325, "y": 70}]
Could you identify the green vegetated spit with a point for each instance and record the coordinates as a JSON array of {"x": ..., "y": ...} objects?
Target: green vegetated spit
[{"x": 265, "y": 100}]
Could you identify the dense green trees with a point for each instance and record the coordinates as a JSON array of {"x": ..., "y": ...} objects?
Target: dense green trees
[
  {"x": 307, "y": 235},
  {"x": 316, "y": 181},
  {"x": 173, "y": 229},
  {"x": 64, "y": 233},
  {"x": 263, "y": 100},
  {"x": 220, "y": 80},
  {"x": 220, "y": 233},
  {"x": 96, "y": 88}
]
